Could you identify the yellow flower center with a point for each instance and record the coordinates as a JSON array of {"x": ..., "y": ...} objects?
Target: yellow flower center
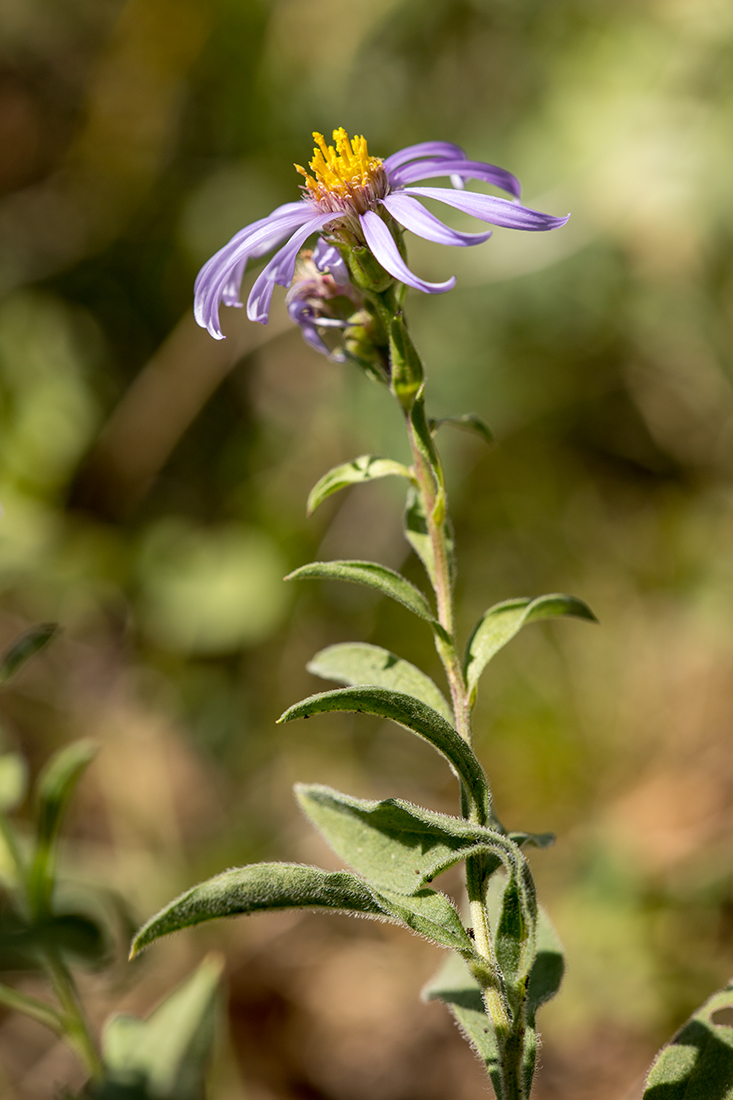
[{"x": 344, "y": 176}]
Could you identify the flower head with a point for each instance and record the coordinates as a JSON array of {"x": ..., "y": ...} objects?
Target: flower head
[{"x": 360, "y": 200}]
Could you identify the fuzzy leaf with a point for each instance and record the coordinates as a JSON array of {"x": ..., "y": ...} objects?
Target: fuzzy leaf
[
  {"x": 355, "y": 663},
  {"x": 372, "y": 575},
  {"x": 271, "y": 886},
  {"x": 363, "y": 468},
  {"x": 501, "y": 622},
  {"x": 415, "y": 716},
  {"x": 55, "y": 787},
  {"x": 698, "y": 1062},
  {"x": 13, "y": 781},
  {"x": 165, "y": 1056},
  {"x": 24, "y": 647},
  {"x": 392, "y": 843},
  {"x": 459, "y": 991},
  {"x": 469, "y": 422}
]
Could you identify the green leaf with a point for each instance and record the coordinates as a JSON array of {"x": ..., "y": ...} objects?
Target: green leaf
[
  {"x": 469, "y": 422},
  {"x": 271, "y": 886},
  {"x": 501, "y": 622},
  {"x": 415, "y": 716},
  {"x": 363, "y": 468},
  {"x": 13, "y": 781},
  {"x": 459, "y": 991},
  {"x": 424, "y": 437},
  {"x": 697, "y": 1064},
  {"x": 406, "y": 365},
  {"x": 416, "y": 533},
  {"x": 55, "y": 787},
  {"x": 167, "y": 1055},
  {"x": 355, "y": 663},
  {"x": 24, "y": 647},
  {"x": 24, "y": 943},
  {"x": 372, "y": 575},
  {"x": 548, "y": 967},
  {"x": 394, "y": 844}
]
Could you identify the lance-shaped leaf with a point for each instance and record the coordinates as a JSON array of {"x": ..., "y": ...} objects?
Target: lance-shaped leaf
[
  {"x": 167, "y": 1055},
  {"x": 501, "y": 622},
  {"x": 55, "y": 787},
  {"x": 363, "y": 468},
  {"x": 355, "y": 663},
  {"x": 271, "y": 886},
  {"x": 698, "y": 1062},
  {"x": 395, "y": 844},
  {"x": 469, "y": 422},
  {"x": 416, "y": 533},
  {"x": 459, "y": 991},
  {"x": 25, "y": 647},
  {"x": 372, "y": 575},
  {"x": 415, "y": 716}
]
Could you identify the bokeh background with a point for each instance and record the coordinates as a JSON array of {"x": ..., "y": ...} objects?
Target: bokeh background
[{"x": 153, "y": 485}]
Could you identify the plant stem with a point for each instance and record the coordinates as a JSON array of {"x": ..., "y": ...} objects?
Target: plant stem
[
  {"x": 76, "y": 1028},
  {"x": 430, "y": 485}
]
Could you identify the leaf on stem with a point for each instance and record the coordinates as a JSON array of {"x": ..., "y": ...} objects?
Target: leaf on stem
[
  {"x": 55, "y": 787},
  {"x": 363, "y": 468},
  {"x": 372, "y": 575},
  {"x": 167, "y": 1055},
  {"x": 455, "y": 986},
  {"x": 461, "y": 993},
  {"x": 469, "y": 422},
  {"x": 393, "y": 843},
  {"x": 356, "y": 663},
  {"x": 24, "y": 647},
  {"x": 502, "y": 621},
  {"x": 414, "y": 715},
  {"x": 272, "y": 886},
  {"x": 416, "y": 533},
  {"x": 698, "y": 1061}
]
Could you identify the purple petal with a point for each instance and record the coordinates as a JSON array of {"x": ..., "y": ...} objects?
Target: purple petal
[
  {"x": 381, "y": 242},
  {"x": 464, "y": 169},
  {"x": 327, "y": 257},
  {"x": 220, "y": 278},
  {"x": 490, "y": 209},
  {"x": 442, "y": 149},
  {"x": 410, "y": 214},
  {"x": 302, "y": 314},
  {"x": 281, "y": 267}
]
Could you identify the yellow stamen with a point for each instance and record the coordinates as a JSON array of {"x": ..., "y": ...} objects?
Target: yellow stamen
[{"x": 341, "y": 169}]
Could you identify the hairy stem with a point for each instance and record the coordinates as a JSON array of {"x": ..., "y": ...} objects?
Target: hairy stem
[{"x": 431, "y": 488}]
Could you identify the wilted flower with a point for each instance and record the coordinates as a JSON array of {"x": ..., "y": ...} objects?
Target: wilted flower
[
  {"x": 358, "y": 197},
  {"x": 322, "y": 296}
]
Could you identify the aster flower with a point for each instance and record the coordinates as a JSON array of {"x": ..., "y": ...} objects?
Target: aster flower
[{"x": 361, "y": 200}]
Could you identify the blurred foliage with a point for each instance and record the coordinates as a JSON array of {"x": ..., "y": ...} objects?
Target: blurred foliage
[{"x": 154, "y": 483}]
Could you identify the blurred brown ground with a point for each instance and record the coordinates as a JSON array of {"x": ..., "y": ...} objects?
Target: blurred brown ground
[{"x": 153, "y": 485}]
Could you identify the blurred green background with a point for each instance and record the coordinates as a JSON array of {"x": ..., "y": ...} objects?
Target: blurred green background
[{"x": 153, "y": 485}]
